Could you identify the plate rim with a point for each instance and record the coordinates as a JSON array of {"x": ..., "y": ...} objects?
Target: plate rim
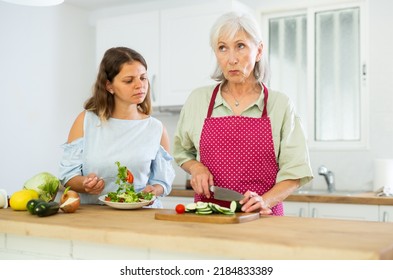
[{"x": 125, "y": 205}]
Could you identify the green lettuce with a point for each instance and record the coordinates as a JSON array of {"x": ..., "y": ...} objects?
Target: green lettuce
[{"x": 45, "y": 184}]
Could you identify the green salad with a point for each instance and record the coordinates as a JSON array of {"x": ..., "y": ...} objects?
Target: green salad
[{"x": 125, "y": 191}]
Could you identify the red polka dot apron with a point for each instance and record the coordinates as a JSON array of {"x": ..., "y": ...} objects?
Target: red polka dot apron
[{"x": 239, "y": 152}]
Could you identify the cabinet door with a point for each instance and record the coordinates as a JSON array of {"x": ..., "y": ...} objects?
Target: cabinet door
[
  {"x": 344, "y": 211},
  {"x": 170, "y": 202},
  {"x": 187, "y": 59},
  {"x": 296, "y": 209},
  {"x": 136, "y": 31},
  {"x": 385, "y": 213}
]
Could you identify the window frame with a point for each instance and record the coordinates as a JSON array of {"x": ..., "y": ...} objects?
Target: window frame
[{"x": 310, "y": 12}]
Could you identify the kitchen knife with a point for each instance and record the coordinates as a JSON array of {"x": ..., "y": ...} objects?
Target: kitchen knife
[{"x": 226, "y": 194}]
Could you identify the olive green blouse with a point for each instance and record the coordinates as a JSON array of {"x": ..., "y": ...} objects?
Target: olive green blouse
[{"x": 289, "y": 140}]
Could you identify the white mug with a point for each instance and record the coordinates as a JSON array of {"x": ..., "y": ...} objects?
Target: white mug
[{"x": 3, "y": 199}]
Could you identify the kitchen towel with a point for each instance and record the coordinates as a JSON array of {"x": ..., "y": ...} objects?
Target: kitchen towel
[
  {"x": 3, "y": 199},
  {"x": 383, "y": 176}
]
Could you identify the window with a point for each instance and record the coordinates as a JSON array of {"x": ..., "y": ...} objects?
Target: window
[{"x": 316, "y": 58}]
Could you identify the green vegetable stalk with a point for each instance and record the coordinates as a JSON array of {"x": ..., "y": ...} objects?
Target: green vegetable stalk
[
  {"x": 126, "y": 192},
  {"x": 45, "y": 184}
]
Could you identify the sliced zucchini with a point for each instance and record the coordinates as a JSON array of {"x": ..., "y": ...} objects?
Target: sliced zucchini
[
  {"x": 203, "y": 212},
  {"x": 225, "y": 210},
  {"x": 191, "y": 207},
  {"x": 201, "y": 205},
  {"x": 235, "y": 206},
  {"x": 214, "y": 206}
]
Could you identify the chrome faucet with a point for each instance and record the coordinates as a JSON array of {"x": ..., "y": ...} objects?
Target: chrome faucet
[{"x": 329, "y": 177}]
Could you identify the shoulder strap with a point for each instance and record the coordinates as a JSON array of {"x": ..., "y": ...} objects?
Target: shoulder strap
[
  {"x": 212, "y": 101},
  {"x": 266, "y": 95}
]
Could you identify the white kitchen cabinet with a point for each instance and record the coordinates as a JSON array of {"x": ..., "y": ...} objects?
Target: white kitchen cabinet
[
  {"x": 187, "y": 59},
  {"x": 141, "y": 32},
  {"x": 174, "y": 42},
  {"x": 333, "y": 211},
  {"x": 296, "y": 209},
  {"x": 385, "y": 213},
  {"x": 170, "y": 202},
  {"x": 344, "y": 211}
]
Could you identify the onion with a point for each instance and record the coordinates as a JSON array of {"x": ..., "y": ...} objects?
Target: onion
[
  {"x": 70, "y": 205},
  {"x": 69, "y": 201}
]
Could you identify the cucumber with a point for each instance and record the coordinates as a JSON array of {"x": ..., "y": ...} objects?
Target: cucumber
[
  {"x": 44, "y": 209},
  {"x": 225, "y": 210},
  {"x": 201, "y": 205},
  {"x": 31, "y": 205},
  {"x": 191, "y": 207},
  {"x": 214, "y": 207},
  {"x": 235, "y": 206},
  {"x": 204, "y": 212},
  {"x": 207, "y": 208}
]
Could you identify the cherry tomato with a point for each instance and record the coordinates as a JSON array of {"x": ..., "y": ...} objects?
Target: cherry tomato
[
  {"x": 180, "y": 209},
  {"x": 130, "y": 177}
]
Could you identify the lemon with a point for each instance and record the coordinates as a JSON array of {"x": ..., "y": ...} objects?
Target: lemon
[{"x": 19, "y": 199}]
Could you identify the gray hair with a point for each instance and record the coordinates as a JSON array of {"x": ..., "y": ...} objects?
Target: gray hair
[{"x": 229, "y": 25}]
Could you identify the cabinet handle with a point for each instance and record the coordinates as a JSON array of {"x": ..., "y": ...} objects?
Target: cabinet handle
[
  {"x": 153, "y": 88},
  {"x": 314, "y": 213},
  {"x": 301, "y": 212},
  {"x": 385, "y": 217}
]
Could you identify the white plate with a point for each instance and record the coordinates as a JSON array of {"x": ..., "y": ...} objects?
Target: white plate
[{"x": 124, "y": 205}]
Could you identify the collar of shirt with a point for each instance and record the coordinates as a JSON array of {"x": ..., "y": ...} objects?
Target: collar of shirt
[{"x": 220, "y": 101}]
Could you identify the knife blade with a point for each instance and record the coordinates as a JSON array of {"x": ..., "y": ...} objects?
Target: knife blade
[{"x": 226, "y": 194}]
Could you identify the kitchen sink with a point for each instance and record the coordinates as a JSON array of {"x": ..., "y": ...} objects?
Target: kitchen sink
[{"x": 326, "y": 192}]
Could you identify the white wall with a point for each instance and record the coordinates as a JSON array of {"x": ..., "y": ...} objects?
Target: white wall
[
  {"x": 47, "y": 67},
  {"x": 46, "y": 72}
]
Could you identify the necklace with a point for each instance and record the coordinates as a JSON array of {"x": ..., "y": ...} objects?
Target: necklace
[{"x": 237, "y": 102}]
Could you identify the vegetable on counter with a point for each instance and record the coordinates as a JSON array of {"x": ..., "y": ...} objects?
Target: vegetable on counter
[
  {"x": 69, "y": 201},
  {"x": 32, "y": 204},
  {"x": 45, "y": 184},
  {"x": 207, "y": 208},
  {"x": 180, "y": 209},
  {"x": 235, "y": 206},
  {"x": 45, "y": 209},
  {"x": 19, "y": 199}
]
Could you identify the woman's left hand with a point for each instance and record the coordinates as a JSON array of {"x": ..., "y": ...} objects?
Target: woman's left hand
[
  {"x": 157, "y": 190},
  {"x": 253, "y": 202}
]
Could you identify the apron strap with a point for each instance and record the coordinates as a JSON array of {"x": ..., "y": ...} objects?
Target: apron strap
[
  {"x": 265, "y": 96},
  {"x": 213, "y": 99}
]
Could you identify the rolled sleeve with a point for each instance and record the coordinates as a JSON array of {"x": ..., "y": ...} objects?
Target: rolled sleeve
[
  {"x": 293, "y": 160},
  {"x": 162, "y": 171},
  {"x": 71, "y": 162}
]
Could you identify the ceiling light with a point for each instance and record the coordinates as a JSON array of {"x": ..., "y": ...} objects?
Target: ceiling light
[{"x": 35, "y": 2}]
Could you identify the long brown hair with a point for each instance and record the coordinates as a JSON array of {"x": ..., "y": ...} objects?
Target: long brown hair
[{"x": 102, "y": 102}]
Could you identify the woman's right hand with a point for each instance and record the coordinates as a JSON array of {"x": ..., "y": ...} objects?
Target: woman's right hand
[
  {"x": 201, "y": 179},
  {"x": 92, "y": 184}
]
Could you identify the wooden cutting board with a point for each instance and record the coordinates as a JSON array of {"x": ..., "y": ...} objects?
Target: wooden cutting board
[{"x": 171, "y": 215}]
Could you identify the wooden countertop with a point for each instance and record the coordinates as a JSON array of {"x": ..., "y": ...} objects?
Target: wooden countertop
[
  {"x": 269, "y": 237},
  {"x": 360, "y": 198}
]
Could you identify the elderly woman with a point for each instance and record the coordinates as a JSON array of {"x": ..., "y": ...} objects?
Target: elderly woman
[{"x": 238, "y": 134}]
